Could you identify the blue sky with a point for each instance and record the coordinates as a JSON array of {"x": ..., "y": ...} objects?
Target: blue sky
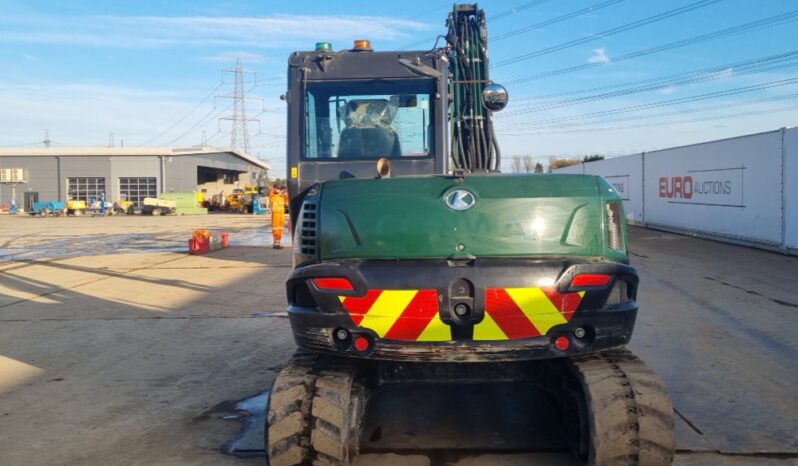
[{"x": 142, "y": 70}]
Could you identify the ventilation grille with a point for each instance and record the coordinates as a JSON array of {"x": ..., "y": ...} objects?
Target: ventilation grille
[
  {"x": 615, "y": 226},
  {"x": 619, "y": 293},
  {"x": 308, "y": 229}
]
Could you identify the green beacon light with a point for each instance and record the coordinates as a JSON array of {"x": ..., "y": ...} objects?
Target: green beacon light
[{"x": 323, "y": 47}]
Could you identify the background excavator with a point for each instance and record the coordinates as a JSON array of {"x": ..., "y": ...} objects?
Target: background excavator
[{"x": 415, "y": 260}]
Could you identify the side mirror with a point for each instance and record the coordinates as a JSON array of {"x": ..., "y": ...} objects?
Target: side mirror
[{"x": 495, "y": 97}]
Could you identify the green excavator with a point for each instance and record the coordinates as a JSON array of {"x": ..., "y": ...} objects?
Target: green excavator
[{"x": 416, "y": 260}]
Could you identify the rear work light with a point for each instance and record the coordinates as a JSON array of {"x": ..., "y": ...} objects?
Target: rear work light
[
  {"x": 590, "y": 279},
  {"x": 619, "y": 294},
  {"x": 333, "y": 283},
  {"x": 615, "y": 226}
]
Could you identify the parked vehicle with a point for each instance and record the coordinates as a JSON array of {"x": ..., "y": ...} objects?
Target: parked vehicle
[
  {"x": 76, "y": 208},
  {"x": 47, "y": 208},
  {"x": 124, "y": 207},
  {"x": 156, "y": 206}
]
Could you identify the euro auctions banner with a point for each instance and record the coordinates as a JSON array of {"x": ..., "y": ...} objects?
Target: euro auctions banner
[
  {"x": 791, "y": 189},
  {"x": 720, "y": 187},
  {"x": 730, "y": 188}
]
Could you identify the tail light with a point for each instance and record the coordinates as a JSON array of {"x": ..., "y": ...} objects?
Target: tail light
[
  {"x": 615, "y": 226},
  {"x": 590, "y": 279},
  {"x": 333, "y": 284}
]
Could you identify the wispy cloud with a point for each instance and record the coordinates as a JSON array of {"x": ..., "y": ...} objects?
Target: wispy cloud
[
  {"x": 247, "y": 57},
  {"x": 160, "y": 31},
  {"x": 725, "y": 74},
  {"x": 86, "y": 91},
  {"x": 83, "y": 114},
  {"x": 667, "y": 90},
  {"x": 599, "y": 56}
]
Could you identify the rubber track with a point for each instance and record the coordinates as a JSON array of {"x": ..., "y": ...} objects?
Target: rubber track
[
  {"x": 309, "y": 412},
  {"x": 629, "y": 410}
]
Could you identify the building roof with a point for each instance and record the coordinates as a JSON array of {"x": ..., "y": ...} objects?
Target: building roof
[{"x": 126, "y": 151}]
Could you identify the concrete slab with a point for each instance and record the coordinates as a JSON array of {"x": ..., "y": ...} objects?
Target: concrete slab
[
  {"x": 134, "y": 358},
  {"x": 726, "y": 354}
]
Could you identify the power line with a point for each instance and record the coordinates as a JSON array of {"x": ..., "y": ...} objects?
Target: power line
[
  {"x": 750, "y": 67},
  {"x": 206, "y": 118},
  {"x": 610, "y": 32},
  {"x": 664, "y": 103},
  {"x": 718, "y": 70},
  {"x": 23, "y": 145},
  {"x": 496, "y": 17},
  {"x": 515, "y": 10},
  {"x": 556, "y": 20},
  {"x": 651, "y": 125},
  {"x": 576, "y": 126},
  {"x": 217, "y": 136},
  {"x": 739, "y": 103},
  {"x": 735, "y": 30},
  {"x": 186, "y": 115},
  {"x": 681, "y": 112}
]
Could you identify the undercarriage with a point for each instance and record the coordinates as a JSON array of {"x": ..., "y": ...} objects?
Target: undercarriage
[{"x": 613, "y": 410}]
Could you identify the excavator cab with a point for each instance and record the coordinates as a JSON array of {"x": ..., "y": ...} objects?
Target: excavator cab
[{"x": 350, "y": 108}]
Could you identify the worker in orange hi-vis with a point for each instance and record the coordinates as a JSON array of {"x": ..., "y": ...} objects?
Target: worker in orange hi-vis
[{"x": 277, "y": 203}]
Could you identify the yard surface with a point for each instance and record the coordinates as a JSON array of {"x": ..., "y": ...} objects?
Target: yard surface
[{"x": 117, "y": 347}]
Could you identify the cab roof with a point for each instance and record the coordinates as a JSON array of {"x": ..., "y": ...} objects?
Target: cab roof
[{"x": 349, "y": 64}]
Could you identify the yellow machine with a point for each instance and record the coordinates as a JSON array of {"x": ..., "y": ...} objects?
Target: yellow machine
[
  {"x": 76, "y": 208},
  {"x": 236, "y": 201},
  {"x": 123, "y": 207}
]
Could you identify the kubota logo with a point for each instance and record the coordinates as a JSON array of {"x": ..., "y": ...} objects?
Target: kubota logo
[{"x": 459, "y": 199}]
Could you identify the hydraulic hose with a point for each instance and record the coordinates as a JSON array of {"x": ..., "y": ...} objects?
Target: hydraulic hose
[{"x": 473, "y": 143}]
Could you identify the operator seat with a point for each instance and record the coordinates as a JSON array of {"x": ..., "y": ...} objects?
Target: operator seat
[{"x": 368, "y": 133}]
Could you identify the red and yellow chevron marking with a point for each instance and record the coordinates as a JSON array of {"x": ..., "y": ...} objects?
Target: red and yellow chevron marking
[
  {"x": 410, "y": 315},
  {"x": 512, "y": 313}
]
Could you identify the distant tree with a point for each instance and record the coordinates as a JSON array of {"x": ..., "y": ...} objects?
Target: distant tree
[
  {"x": 278, "y": 182},
  {"x": 516, "y": 164},
  {"x": 538, "y": 167},
  {"x": 592, "y": 158},
  {"x": 564, "y": 162},
  {"x": 528, "y": 164}
]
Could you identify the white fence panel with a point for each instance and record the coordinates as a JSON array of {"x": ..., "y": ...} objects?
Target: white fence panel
[
  {"x": 791, "y": 189},
  {"x": 730, "y": 188},
  {"x": 626, "y": 174},
  {"x": 577, "y": 169}
]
